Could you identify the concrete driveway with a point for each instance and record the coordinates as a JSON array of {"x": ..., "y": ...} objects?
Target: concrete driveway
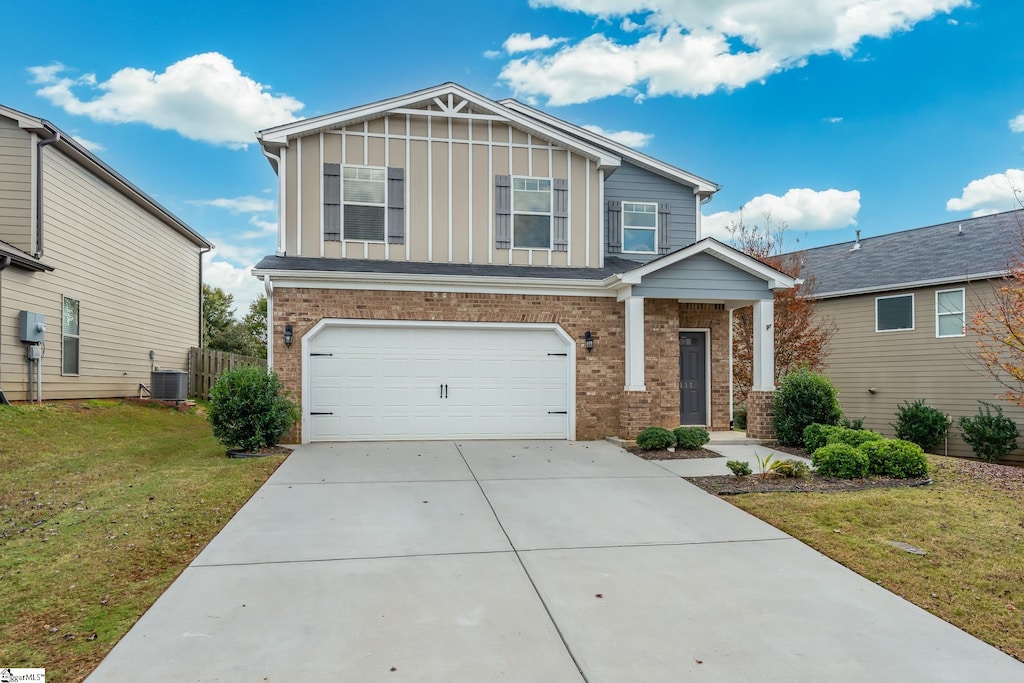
[{"x": 522, "y": 561}]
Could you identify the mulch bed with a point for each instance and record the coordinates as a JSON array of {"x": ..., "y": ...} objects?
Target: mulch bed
[
  {"x": 728, "y": 485},
  {"x": 678, "y": 454},
  {"x": 1008, "y": 478}
]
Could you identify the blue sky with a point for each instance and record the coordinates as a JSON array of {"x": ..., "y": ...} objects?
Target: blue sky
[{"x": 881, "y": 115}]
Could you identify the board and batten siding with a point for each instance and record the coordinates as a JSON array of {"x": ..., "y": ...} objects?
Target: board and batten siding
[
  {"x": 702, "y": 277},
  {"x": 908, "y": 365},
  {"x": 630, "y": 183},
  {"x": 450, "y": 166},
  {"x": 136, "y": 279},
  {"x": 15, "y": 185}
]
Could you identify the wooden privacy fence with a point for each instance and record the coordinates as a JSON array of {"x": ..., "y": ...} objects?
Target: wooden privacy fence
[{"x": 206, "y": 365}]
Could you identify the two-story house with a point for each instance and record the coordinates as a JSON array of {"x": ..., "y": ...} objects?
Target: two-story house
[
  {"x": 98, "y": 282},
  {"x": 449, "y": 266}
]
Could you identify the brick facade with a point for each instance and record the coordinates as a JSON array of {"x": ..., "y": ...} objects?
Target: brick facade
[
  {"x": 759, "y": 415},
  {"x": 602, "y": 407}
]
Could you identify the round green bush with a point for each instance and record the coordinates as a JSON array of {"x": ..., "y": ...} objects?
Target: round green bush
[
  {"x": 816, "y": 435},
  {"x": 655, "y": 439},
  {"x": 792, "y": 469},
  {"x": 248, "y": 409},
  {"x": 840, "y": 460},
  {"x": 990, "y": 436},
  {"x": 803, "y": 398},
  {"x": 924, "y": 425},
  {"x": 740, "y": 468},
  {"x": 852, "y": 437},
  {"x": 691, "y": 438},
  {"x": 895, "y": 458}
]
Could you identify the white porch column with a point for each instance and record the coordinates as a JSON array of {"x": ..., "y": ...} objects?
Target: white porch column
[
  {"x": 764, "y": 346},
  {"x": 635, "y": 343}
]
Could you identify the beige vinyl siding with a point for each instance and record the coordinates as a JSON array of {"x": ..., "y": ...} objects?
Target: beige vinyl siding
[
  {"x": 15, "y": 185},
  {"x": 908, "y": 365},
  {"x": 441, "y": 225},
  {"x": 136, "y": 279}
]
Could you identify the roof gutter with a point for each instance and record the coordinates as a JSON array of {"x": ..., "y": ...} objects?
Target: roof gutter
[
  {"x": 934, "y": 282},
  {"x": 54, "y": 137}
]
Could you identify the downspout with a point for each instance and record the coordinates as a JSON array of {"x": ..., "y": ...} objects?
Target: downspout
[
  {"x": 39, "y": 189},
  {"x": 275, "y": 163},
  {"x": 5, "y": 261}
]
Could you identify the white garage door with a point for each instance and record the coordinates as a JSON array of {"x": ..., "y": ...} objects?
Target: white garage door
[{"x": 427, "y": 382}]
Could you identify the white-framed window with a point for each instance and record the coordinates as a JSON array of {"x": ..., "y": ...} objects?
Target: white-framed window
[
  {"x": 364, "y": 194},
  {"x": 950, "y": 313},
  {"x": 531, "y": 213},
  {"x": 70, "y": 340},
  {"x": 894, "y": 313},
  {"x": 639, "y": 227}
]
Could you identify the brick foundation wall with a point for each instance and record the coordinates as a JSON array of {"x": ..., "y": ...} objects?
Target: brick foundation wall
[
  {"x": 759, "y": 415},
  {"x": 712, "y": 317}
]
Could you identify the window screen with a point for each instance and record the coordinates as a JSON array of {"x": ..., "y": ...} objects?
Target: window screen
[
  {"x": 949, "y": 313},
  {"x": 531, "y": 213},
  {"x": 894, "y": 313},
  {"x": 363, "y": 191},
  {"x": 70, "y": 339},
  {"x": 639, "y": 227}
]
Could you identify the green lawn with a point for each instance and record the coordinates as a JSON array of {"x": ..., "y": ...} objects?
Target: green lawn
[
  {"x": 973, "y": 532},
  {"x": 102, "y": 505}
]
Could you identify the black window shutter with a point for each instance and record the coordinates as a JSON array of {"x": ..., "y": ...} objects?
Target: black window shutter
[
  {"x": 614, "y": 226},
  {"x": 396, "y": 205},
  {"x": 503, "y": 212},
  {"x": 664, "y": 238},
  {"x": 560, "y": 213},
  {"x": 332, "y": 202}
]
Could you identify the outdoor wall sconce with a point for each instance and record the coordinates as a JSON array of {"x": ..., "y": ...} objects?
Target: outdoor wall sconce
[
  {"x": 588, "y": 340},
  {"x": 289, "y": 335}
]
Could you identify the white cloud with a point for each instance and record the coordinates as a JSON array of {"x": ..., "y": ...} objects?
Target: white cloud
[
  {"x": 696, "y": 47},
  {"x": 525, "y": 42},
  {"x": 833, "y": 119},
  {"x": 89, "y": 144},
  {"x": 492, "y": 54},
  {"x": 802, "y": 209},
  {"x": 1017, "y": 123},
  {"x": 264, "y": 229},
  {"x": 629, "y": 138},
  {"x": 991, "y": 194},
  {"x": 244, "y": 204},
  {"x": 203, "y": 97},
  {"x": 238, "y": 282}
]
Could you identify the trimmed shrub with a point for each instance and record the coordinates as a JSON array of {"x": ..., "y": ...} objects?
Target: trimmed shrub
[
  {"x": 924, "y": 425},
  {"x": 691, "y": 438},
  {"x": 740, "y": 468},
  {"x": 852, "y": 437},
  {"x": 792, "y": 469},
  {"x": 990, "y": 436},
  {"x": 739, "y": 417},
  {"x": 803, "y": 398},
  {"x": 840, "y": 460},
  {"x": 248, "y": 409},
  {"x": 852, "y": 424},
  {"x": 895, "y": 458},
  {"x": 655, "y": 439},
  {"x": 816, "y": 435}
]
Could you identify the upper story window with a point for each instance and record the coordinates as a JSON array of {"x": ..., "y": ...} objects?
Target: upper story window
[
  {"x": 894, "y": 313},
  {"x": 364, "y": 193},
  {"x": 69, "y": 337},
  {"x": 639, "y": 227},
  {"x": 949, "y": 313},
  {"x": 531, "y": 213}
]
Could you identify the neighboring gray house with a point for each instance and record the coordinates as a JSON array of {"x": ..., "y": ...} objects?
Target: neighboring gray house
[
  {"x": 113, "y": 276},
  {"x": 450, "y": 266},
  {"x": 901, "y": 303}
]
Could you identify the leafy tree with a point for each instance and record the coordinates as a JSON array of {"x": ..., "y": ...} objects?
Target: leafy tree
[
  {"x": 223, "y": 332},
  {"x": 801, "y": 337},
  {"x": 218, "y": 314},
  {"x": 255, "y": 324}
]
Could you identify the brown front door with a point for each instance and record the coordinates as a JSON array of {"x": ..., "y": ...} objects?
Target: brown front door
[{"x": 693, "y": 379}]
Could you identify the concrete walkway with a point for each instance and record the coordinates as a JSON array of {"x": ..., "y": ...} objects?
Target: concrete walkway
[{"x": 522, "y": 561}]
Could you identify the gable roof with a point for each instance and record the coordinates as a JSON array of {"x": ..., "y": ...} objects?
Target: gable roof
[
  {"x": 957, "y": 251},
  {"x": 438, "y": 95},
  {"x": 76, "y": 151},
  {"x": 776, "y": 279},
  {"x": 703, "y": 185}
]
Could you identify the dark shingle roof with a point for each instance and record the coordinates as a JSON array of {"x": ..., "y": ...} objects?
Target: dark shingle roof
[
  {"x": 21, "y": 258},
  {"x": 958, "y": 250},
  {"x": 303, "y": 263}
]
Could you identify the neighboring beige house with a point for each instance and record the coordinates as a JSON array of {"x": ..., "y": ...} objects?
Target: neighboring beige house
[
  {"x": 449, "y": 266},
  {"x": 900, "y": 303},
  {"x": 113, "y": 274}
]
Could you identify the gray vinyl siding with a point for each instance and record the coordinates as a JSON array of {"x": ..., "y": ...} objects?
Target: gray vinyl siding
[
  {"x": 702, "y": 276},
  {"x": 908, "y": 365},
  {"x": 15, "y": 185},
  {"x": 136, "y": 279},
  {"x": 633, "y": 184}
]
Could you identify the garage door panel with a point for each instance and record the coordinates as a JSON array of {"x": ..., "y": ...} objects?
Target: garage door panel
[{"x": 388, "y": 383}]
